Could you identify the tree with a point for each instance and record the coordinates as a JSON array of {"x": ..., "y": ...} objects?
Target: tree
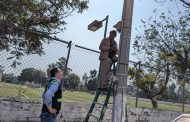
[
  {"x": 185, "y": 2},
  {"x": 85, "y": 78},
  {"x": 131, "y": 90},
  {"x": 152, "y": 81},
  {"x": 183, "y": 93},
  {"x": 170, "y": 93},
  {"x": 165, "y": 96},
  {"x": 72, "y": 81},
  {"x": 31, "y": 74},
  {"x": 27, "y": 24},
  {"x": 92, "y": 80},
  {"x": 92, "y": 84},
  {"x": 168, "y": 39},
  {"x": 75, "y": 80},
  {"x": 7, "y": 77},
  {"x": 59, "y": 64},
  {"x": 187, "y": 94},
  {"x": 141, "y": 93}
]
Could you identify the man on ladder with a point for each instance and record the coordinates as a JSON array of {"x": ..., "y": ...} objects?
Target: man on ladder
[{"x": 109, "y": 49}]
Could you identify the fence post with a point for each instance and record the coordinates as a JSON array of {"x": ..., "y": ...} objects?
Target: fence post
[
  {"x": 68, "y": 55},
  {"x": 183, "y": 96},
  {"x": 138, "y": 76},
  {"x": 106, "y": 26}
]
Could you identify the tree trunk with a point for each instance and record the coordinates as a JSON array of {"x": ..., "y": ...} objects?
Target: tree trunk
[{"x": 154, "y": 103}]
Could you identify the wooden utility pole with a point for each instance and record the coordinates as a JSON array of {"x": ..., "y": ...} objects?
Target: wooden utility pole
[{"x": 119, "y": 113}]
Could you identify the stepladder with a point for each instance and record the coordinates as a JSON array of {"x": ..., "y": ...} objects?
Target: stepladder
[{"x": 102, "y": 99}]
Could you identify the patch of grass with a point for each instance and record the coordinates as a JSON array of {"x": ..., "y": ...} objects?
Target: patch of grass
[
  {"x": 12, "y": 90},
  {"x": 146, "y": 103},
  {"x": 23, "y": 91},
  {"x": 77, "y": 96}
]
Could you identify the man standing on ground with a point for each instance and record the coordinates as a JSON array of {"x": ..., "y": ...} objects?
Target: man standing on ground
[
  {"x": 52, "y": 96},
  {"x": 108, "y": 48}
]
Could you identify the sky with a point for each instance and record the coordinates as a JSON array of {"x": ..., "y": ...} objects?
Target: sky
[
  {"x": 83, "y": 61},
  {"x": 98, "y": 9}
]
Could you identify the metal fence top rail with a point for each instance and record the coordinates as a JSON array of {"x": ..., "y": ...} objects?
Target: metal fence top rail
[
  {"x": 87, "y": 48},
  {"x": 92, "y": 50}
]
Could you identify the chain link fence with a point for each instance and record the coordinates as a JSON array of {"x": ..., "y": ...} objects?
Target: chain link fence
[
  {"x": 31, "y": 74},
  {"x": 81, "y": 66}
]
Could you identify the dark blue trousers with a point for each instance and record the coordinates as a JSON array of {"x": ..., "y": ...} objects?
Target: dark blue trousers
[{"x": 48, "y": 117}]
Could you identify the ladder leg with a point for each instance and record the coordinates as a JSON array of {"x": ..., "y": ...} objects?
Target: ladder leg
[
  {"x": 106, "y": 102},
  {"x": 110, "y": 90},
  {"x": 92, "y": 106}
]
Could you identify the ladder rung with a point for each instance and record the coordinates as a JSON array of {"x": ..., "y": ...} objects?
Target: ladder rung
[
  {"x": 95, "y": 116},
  {"x": 99, "y": 103},
  {"x": 99, "y": 110}
]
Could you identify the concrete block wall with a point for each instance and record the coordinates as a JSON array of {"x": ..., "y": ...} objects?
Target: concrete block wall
[
  {"x": 21, "y": 110},
  {"x": 151, "y": 115}
]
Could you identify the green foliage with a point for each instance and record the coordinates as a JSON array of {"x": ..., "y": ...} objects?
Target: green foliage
[
  {"x": 7, "y": 77},
  {"x": 166, "y": 40},
  {"x": 61, "y": 63},
  {"x": 91, "y": 85},
  {"x": 152, "y": 82},
  {"x": 85, "y": 78},
  {"x": 72, "y": 81},
  {"x": 12, "y": 90},
  {"x": 27, "y": 24},
  {"x": 93, "y": 73},
  {"x": 147, "y": 80},
  {"x": 31, "y": 74},
  {"x": 186, "y": 3},
  {"x": 91, "y": 81},
  {"x": 170, "y": 93}
]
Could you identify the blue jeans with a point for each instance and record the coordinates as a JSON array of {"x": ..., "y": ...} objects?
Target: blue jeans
[{"x": 48, "y": 117}]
